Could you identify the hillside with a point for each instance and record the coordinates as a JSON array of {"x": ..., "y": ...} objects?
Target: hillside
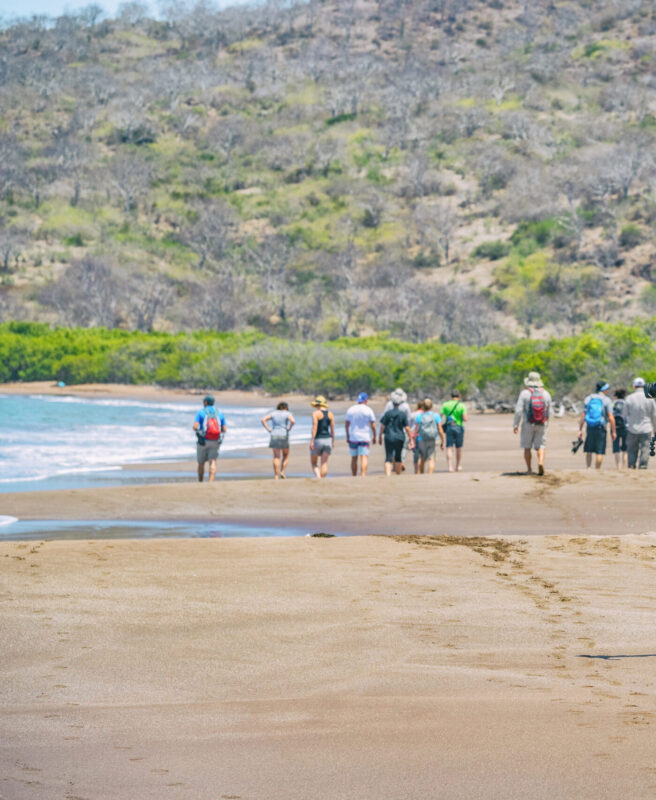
[{"x": 438, "y": 169}]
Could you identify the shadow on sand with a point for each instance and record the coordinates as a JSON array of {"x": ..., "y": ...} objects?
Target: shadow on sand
[{"x": 610, "y": 658}]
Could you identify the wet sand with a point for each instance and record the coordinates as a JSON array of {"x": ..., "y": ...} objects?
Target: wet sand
[{"x": 473, "y": 665}]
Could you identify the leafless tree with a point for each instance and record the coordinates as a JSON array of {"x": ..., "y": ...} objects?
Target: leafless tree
[
  {"x": 130, "y": 175},
  {"x": 88, "y": 294},
  {"x": 210, "y": 233}
]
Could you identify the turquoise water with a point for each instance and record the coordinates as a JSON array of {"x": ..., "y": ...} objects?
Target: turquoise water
[{"x": 65, "y": 442}]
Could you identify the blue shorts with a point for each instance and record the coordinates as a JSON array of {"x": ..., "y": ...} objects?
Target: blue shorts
[
  {"x": 359, "y": 449},
  {"x": 455, "y": 435}
]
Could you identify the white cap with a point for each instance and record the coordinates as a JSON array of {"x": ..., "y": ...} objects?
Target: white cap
[{"x": 639, "y": 382}]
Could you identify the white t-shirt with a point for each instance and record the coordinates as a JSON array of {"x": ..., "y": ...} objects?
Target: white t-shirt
[{"x": 360, "y": 417}]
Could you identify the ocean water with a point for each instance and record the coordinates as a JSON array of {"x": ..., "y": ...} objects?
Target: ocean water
[{"x": 56, "y": 442}]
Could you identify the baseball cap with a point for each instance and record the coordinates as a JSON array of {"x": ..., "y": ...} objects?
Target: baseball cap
[
  {"x": 639, "y": 382},
  {"x": 602, "y": 386},
  {"x": 363, "y": 397},
  {"x": 209, "y": 400}
]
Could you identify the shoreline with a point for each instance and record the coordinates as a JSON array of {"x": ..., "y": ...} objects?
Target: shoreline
[{"x": 149, "y": 392}]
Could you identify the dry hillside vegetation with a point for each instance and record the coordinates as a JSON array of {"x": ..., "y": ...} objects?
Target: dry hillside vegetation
[{"x": 452, "y": 169}]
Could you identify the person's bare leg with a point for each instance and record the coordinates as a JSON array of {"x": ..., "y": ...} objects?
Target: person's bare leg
[
  {"x": 364, "y": 463},
  {"x": 588, "y": 460},
  {"x": 201, "y": 472},
  {"x": 398, "y": 467},
  {"x": 212, "y": 468},
  {"x": 388, "y": 468},
  {"x": 458, "y": 459},
  {"x": 324, "y": 465},
  {"x": 527, "y": 458},
  {"x": 354, "y": 465},
  {"x": 600, "y": 458},
  {"x": 617, "y": 460},
  {"x": 276, "y": 463},
  {"x": 315, "y": 466},
  {"x": 285, "y": 460},
  {"x": 431, "y": 465},
  {"x": 422, "y": 465},
  {"x": 623, "y": 462},
  {"x": 541, "y": 460},
  {"x": 449, "y": 458}
]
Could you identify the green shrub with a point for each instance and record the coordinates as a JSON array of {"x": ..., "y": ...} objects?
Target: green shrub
[
  {"x": 630, "y": 236},
  {"x": 492, "y": 250}
]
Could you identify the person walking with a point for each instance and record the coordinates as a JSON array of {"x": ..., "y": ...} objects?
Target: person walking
[
  {"x": 533, "y": 409},
  {"x": 620, "y": 445},
  {"x": 281, "y": 424},
  {"x": 322, "y": 439},
  {"x": 454, "y": 416},
  {"x": 399, "y": 397},
  {"x": 597, "y": 413},
  {"x": 640, "y": 414},
  {"x": 394, "y": 429},
  {"x": 428, "y": 426},
  {"x": 360, "y": 424},
  {"x": 210, "y": 427},
  {"x": 414, "y": 437}
]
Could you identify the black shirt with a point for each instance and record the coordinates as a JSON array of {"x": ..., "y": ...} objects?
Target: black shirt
[{"x": 394, "y": 421}]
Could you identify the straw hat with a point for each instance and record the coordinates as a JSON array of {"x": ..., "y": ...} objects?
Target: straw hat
[
  {"x": 319, "y": 402},
  {"x": 533, "y": 379},
  {"x": 398, "y": 396}
]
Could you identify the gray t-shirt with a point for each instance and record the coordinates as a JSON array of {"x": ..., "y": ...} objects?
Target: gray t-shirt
[
  {"x": 280, "y": 424},
  {"x": 640, "y": 413}
]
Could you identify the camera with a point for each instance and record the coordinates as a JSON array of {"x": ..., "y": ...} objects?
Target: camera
[
  {"x": 650, "y": 390},
  {"x": 576, "y": 444}
]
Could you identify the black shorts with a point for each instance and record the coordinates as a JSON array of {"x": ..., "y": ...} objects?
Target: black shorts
[
  {"x": 595, "y": 440},
  {"x": 455, "y": 435},
  {"x": 394, "y": 449},
  {"x": 619, "y": 445}
]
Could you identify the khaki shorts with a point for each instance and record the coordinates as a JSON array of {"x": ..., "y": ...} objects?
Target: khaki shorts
[
  {"x": 533, "y": 436},
  {"x": 207, "y": 452}
]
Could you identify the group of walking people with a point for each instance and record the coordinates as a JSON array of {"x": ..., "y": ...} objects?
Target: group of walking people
[
  {"x": 631, "y": 421},
  {"x": 400, "y": 430}
]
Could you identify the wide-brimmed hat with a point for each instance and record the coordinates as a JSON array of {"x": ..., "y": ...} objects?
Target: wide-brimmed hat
[
  {"x": 398, "y": 396},
  {"x": 533, "y": 379},
  {"x": 319, "y": 402}
]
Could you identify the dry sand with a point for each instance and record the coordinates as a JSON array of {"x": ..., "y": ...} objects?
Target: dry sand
[{"x": 362, "y": 667}]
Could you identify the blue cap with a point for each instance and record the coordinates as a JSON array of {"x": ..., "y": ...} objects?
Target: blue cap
[{"x": 363, "y": 397}]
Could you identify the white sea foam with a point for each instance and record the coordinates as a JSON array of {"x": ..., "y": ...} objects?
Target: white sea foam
[
  {"x": 44, "y": 437},
  {"x": 4, "y": 520}
]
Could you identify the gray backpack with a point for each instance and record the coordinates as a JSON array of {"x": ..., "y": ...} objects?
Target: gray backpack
[{"x": 428, "y": 426}]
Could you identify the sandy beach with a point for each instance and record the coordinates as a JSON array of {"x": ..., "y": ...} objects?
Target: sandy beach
[{"x": 497, "y": 643}]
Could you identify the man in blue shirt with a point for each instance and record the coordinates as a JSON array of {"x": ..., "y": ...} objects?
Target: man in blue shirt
[{"x": 210, "y": 427}]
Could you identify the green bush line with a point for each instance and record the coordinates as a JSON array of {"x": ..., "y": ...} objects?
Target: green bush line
[{"x": 34, "y": 351}]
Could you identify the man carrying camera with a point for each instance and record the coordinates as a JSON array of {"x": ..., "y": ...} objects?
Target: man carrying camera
[
  {"x": 640, "y": 412},
  {"x": 598, "y": 411}
]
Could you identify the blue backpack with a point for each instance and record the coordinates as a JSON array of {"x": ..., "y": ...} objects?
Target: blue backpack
[{"x": 594, "y": 413}]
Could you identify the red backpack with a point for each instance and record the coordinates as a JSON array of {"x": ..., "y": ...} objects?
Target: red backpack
[
  {"x": 211, "y": 427},
  {"x": 537, "y": 409}
]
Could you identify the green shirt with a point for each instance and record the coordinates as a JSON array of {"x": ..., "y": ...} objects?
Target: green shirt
[{"x": 455, "y": 409}]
